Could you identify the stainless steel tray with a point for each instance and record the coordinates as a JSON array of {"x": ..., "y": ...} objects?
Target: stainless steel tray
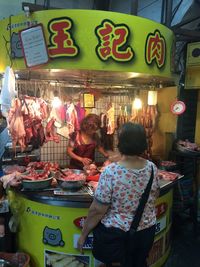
[{"x": 9, "y": 148}]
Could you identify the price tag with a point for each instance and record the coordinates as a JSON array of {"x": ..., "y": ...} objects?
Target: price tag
[
  {"x": 34, "y": 46},
  {"x": 161, "y": 224},
  {"x": 88, "y": 242}
]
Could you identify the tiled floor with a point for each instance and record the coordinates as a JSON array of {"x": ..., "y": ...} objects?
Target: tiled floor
[{"x": 185, "y": 250}]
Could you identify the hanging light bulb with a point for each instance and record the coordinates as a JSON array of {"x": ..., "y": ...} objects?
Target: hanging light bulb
[
  {"x": 56, "y": 102},
  {"x": 137, "y": 103},
  {"x": 152, "y": 98}
]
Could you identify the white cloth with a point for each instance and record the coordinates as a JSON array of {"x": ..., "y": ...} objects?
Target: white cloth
[
  {"x": 12, "y": 179},
  {"x": 8, "y": 91}
]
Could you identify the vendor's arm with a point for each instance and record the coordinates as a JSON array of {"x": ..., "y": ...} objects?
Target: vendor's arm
[
  {"x": 85, "y": 161},
  {"x": 102, "y": 151},
  {"x": 96, "y": 212}
]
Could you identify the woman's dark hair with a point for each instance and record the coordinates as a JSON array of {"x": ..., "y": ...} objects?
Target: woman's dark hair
[
  {"x": 132, "y": 139},
  {"x": 91, "y": 121}
]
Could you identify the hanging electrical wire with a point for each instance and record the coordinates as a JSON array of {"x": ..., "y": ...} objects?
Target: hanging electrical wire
[
  {"x": 176, "y": 9},
  {"x": 150, "y": 4}
]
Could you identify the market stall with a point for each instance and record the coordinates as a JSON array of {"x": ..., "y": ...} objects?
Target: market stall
[
  {"x": 53, "y": 222},
  {"x": 100, "y": 63}
]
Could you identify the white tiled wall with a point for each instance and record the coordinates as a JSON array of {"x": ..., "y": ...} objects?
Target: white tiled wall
[{"x": 55, "y": 152}]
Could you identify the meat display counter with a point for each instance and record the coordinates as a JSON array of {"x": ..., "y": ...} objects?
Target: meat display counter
[{"x": 53, "y": 222}]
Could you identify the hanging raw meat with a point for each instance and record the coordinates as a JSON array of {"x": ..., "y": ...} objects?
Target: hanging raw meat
[
  {"x": 25, "y": 122},
  {"x": 80, "y": 112},
  {"x": 54, "y": 114},
  {"x": 148, "y": 118},
  {"x": 107, "y": 140},
  {"x": 28, "y": 128},
  {"x": 72, "y": 119},
  {"x": 110, "y": 120},
  {"x": 122, "y": 118},
  {"x": 38, "y": 138},
  {"x": 50, "y": 132},
  {"x": 32, "y": 119},
  {"x": 44, "y": 110},
  {"x": 119, "y": 119}
]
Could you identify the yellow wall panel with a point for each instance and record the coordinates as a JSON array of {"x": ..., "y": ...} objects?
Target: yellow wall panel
[
  {"x": 166, "y": 126},
  {"x": 192, "y": 78}
]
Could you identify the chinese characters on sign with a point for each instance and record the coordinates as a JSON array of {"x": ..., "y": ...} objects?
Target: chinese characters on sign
[
  {"x": 113, "y": 42},
  {"x": 155, "y": 49},
  {"x": 60, "y": 39}
]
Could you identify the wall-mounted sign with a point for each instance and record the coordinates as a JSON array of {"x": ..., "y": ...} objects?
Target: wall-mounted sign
[
  {"x": 88, "y": 100},
  {"x": 193, "y": 54},
  {"x": 88, "y": 40},
  {"x": 34, "y": 46}
]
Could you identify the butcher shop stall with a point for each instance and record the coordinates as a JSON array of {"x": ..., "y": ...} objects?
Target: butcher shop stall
[{"x": 60, "y": 66}]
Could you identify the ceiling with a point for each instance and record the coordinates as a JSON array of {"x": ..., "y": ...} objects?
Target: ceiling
[{"x": 98, "y": 79}]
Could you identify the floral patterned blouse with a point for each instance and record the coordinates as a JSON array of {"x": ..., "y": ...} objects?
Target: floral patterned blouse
[{"x": 122, "y": 188}]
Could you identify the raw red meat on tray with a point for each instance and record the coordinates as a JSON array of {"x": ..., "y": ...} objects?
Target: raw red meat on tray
[
  {"x": 40, "y": 165},
  {"x": 35, "y": 175},
  {"x": 91, "y": 169},
  {"x": 70, "y": 179},
  {"x": 40, "y": 170},
  {"x": 168, "y": 176},
  {"x": 72, "y": 175},
  {"x": 167, "y": 163},
  {"x": 187, "y": 146}
]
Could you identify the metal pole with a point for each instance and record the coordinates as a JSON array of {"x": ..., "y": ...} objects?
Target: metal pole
[
  {"x": 168, "y": 13},
  {"x": 134, "y": 7},
  {"x": 163, "y": 15}
]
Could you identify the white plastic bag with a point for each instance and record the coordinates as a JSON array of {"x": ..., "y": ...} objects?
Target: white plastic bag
[{"x": 8, "y": 91}]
